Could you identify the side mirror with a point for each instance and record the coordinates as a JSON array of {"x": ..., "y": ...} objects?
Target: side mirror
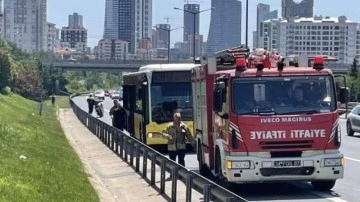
[
  {"x": 344, "y": 95},
  {"x": 217, "y": 100}
]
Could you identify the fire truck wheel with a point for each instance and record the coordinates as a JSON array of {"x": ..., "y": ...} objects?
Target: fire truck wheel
[
  {"x": 325, "y": 185},
  {"x": 349, "y": 130},
  {"x": 222, "y": 181}
]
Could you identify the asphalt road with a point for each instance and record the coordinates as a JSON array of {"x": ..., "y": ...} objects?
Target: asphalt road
[{"x": 347, "y": 189}]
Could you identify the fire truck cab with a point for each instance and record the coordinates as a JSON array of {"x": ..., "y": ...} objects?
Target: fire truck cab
[{"x": 257, "y": 120}]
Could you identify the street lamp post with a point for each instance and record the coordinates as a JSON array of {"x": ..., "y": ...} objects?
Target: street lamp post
[
  {"x": 247, "y": 23},
  {"x": 194, "y": 15},
  {"x": 168, "y": 44}
]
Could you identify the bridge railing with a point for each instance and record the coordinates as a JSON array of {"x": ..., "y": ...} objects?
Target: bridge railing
[
  {"x": 141, "y": 62},
  {"x": 135, "y": 153}
]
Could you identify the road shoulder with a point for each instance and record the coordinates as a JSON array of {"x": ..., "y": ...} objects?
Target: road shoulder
[{"x": 112, "y": 178}]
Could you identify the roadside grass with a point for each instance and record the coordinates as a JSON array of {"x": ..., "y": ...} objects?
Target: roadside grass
[
  {"x": 60, "y": 101},
  {"x": 37, "y": 163}
]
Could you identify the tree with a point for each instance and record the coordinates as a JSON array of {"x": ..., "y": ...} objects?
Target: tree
[
  {"x": 6, "y": 68},
  {"x": 28, "y": 84},
  {"x": 354, "y": 71}
]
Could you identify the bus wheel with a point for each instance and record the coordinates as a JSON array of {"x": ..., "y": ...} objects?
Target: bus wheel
[{"x": 325, "y": 185}]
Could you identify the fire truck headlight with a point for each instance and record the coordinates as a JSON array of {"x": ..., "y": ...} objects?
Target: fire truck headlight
[
  {"x": 155, "y": 135},
  {"x": 334, "y": 162},
  {"x": 238, "y": 164}
]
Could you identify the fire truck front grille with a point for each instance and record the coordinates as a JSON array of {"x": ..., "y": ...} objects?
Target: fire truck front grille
[
  {"x": 268, "y": 172},
  {"x": 287, "y": 144}
]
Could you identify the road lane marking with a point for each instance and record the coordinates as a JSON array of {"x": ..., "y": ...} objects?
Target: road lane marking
[{"x": 352, "y": 159}]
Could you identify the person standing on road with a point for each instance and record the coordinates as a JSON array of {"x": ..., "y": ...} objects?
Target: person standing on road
[
  {"x": 113, "y": 108},
  {"x": 177, "y": 132},
  {"x": 119, "y": 117},
  {"x": 91, "y": 102}
]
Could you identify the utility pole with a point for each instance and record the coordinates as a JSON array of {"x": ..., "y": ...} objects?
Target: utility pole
[
  {"x": 247, "y": 24},
  {"x": 194, "y": 15}
]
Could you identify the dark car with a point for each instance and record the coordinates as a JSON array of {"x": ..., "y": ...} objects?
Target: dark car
[
  {"x": 353, "y": 121},
  {"x": 107, "y": 93}
]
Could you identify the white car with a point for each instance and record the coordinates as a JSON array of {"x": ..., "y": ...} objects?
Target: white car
[
  {"x": 100, "y": 94},
  {"x": 116, "y": 95}
]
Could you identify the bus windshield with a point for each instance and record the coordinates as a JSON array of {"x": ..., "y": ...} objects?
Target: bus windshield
[
  {"x": 283, "y": 95},
  {"x": 167, "y": 98}
]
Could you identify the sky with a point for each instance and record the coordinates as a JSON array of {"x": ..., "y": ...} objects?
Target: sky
[{"x": 93, "y": 12}]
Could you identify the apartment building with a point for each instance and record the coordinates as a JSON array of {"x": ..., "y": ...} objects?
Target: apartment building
[
  {"x": 25, "y": 24},
  {"x": 334, "y": 36},
  {"x": 112, "y": 49}
]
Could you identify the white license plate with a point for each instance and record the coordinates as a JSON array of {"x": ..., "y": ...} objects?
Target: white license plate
[{"x": 294, "y": 163}]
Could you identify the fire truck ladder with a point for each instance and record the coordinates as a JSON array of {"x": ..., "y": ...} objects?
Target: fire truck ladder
[{"x": 228, "y": 56}]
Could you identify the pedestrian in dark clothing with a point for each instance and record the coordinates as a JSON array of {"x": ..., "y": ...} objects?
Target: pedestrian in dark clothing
[
  {"x": 119, "y": 120},
  {"x": 53, "y": 99},
  {"x": 113, "y": 108},
  {"x": 91, "y": 102}
]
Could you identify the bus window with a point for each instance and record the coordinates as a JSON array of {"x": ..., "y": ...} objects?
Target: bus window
[{"x": 167, "y": 98}]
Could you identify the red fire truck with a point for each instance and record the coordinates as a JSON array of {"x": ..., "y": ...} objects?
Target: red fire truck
[{"x": 259, "y": 121}]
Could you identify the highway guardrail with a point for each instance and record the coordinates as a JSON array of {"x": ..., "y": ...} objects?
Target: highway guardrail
[{"x": 133, "y": 152}]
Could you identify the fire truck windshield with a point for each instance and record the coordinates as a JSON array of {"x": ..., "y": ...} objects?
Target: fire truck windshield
[
  {"x": 283, "y": 95},
  {"x": 166, "y": 98}
]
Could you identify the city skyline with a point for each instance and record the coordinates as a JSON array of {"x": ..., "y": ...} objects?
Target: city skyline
[{"x": 94, "y": 15}]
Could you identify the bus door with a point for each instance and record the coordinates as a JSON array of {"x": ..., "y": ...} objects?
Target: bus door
[
  {"x": 143, "y": 95},
  {"x": 131, "y": 89}
]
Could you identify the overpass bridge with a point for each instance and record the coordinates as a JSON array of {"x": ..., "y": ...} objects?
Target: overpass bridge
[
  {"x": 134, "y": 65},
  {"x": 106, "y": 66}
]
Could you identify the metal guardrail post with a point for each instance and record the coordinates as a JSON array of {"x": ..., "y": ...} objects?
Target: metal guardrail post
[
  {"x": 145, "y": 158},
  {"x": 131, "y": 152},
  {"x": 174, "y": 176},
  {"x": 121, "y": 142},
  {"x": 153, "y": 170},
  {"x": 162, "y": 175},
  {"x": 126, "y": 148},
  {"x": 207, "y": 192},
  {"x": 112, "y": 141},
  {"x": 137, "y": 157},
  {"x": 116, "y": 141},
  {"x": 189, "y": 178}
]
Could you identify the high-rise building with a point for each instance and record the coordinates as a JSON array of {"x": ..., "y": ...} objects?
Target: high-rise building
[
  {"x": 189, "y": 20},
  {"x": 51, "y": 36},
  {"x": 225, "y": 26},
  {"x": 143, "y": 19},
  {"x": 75, "y": 21},
  {"x": 128, "y": 20},
  {"x": 289, "y": 8},
  {"x": 25, "y": 24},
  {"x": 333, "y": 36},
  {"x": 358, "y": 44},
  {"x": 162, "y": 35},
  {"x": 74, "y": 36},
  {"x": 1, "y": 7},
  {"x": 1, "y": 18},
  {"x": 263, "y": 13}
]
